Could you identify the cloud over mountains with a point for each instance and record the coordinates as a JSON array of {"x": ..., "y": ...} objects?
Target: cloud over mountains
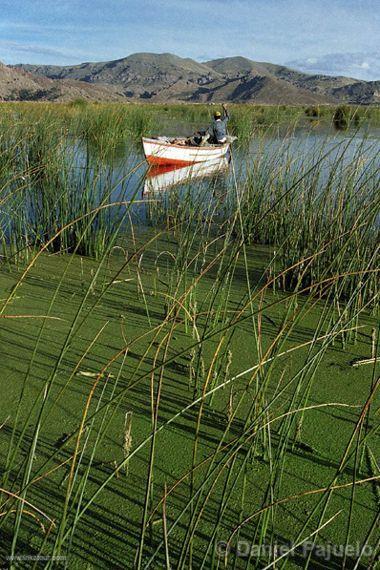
[{"x": 360, "y": 65}]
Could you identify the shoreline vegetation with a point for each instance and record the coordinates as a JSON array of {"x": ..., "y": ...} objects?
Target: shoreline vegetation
[{"x": 189, "y": 379}]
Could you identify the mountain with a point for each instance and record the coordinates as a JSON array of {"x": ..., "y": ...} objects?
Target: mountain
[
  {"x": 167, "y": 77},
  {"x": 365, "y": 92},
  {"x": 19, "y": 84},
  {"x": 144, "y": 75}
]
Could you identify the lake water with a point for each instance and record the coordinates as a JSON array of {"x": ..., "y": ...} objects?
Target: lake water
[{"x": 294, "y": 151}]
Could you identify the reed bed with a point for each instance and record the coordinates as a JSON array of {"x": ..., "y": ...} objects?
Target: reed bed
[{"x": 181, "y": 391}]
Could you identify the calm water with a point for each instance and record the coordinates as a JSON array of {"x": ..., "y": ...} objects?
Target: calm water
[{"x": 303, "y": 147}]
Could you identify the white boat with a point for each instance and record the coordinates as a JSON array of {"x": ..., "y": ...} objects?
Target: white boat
[
  {"x": 162, "y": 151},
  {"x": 159, "y": 178}
]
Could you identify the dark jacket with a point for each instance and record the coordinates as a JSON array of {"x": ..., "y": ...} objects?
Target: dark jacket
[{"x": 218, "y": 129}]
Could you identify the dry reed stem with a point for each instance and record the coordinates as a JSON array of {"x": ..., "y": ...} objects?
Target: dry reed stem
[{"x": 127, "y": 444}]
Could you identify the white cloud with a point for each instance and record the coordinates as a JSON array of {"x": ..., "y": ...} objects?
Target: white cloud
[
  {"x": 14, "y": 52},
  {"x": 358, "y": 65}
]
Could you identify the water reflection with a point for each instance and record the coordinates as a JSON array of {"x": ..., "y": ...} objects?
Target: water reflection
[
  {"x": 277, "y": 150},
  {"x": 159, "y": 178}
]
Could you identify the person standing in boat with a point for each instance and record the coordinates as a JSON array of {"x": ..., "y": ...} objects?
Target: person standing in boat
[{"x": 218, "y": 129}]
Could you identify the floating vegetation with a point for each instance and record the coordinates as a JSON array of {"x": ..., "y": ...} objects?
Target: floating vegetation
[{"x": 210, "y": 386}]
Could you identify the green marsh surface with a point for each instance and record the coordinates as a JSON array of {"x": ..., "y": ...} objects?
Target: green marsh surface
[{"x": 196, "y": 367}]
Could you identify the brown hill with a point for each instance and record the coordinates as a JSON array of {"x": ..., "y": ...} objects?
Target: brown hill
[
  {"x": 366, "y": 93},
  {"x": 143, "y": 75},
  {"x": 167, "y": 77},
  {"x": 18, "y": 84}
]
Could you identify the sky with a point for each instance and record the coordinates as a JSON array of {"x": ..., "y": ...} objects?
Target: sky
[{"x": 337, "y": 37}]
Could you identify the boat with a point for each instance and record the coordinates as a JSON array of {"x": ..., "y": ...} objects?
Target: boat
[
  {"x": 163, "y": 150},
  {"x": 160, "y": 177}
]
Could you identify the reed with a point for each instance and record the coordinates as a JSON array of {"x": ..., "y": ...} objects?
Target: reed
[{"x": 226, "y": 326}]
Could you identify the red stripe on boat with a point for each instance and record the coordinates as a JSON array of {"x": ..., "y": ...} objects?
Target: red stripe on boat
[{"x": 161, "y": 161}]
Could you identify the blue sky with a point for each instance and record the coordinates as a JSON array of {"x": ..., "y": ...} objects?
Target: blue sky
[{"x": 330, "y": 36}]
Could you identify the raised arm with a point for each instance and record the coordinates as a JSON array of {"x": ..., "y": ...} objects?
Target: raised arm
[{"x": 226, "y": 114}]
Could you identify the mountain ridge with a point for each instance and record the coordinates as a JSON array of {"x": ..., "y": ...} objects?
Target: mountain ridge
[
  {"x": 168, "y": 77},
  {"x": 18, "y": 84}
]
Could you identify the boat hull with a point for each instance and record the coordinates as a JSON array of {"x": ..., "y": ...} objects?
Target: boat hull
[{"x": 161, "y": 153}]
